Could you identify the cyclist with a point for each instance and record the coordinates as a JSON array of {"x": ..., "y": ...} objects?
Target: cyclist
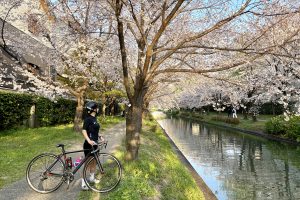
[{"x": 90, "y": 131}]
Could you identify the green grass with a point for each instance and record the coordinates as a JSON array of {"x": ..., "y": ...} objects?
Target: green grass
[
  {"x": 156, "y": 174},
  {"x": 19, "y": 146},
  {"x": 108, "y": 121}
]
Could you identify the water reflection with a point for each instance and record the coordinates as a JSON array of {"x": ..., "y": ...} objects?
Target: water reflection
[{"x": 235, "y": 165}]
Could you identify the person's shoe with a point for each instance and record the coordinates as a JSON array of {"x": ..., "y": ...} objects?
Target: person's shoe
[{"x": 93, "y": 180}]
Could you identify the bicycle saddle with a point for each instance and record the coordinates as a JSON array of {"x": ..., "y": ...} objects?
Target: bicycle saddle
[{"x": 60, "y": 145}]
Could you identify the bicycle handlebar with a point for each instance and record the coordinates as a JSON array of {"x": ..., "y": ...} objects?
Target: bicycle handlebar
[
  {"x": 99, "y": 146},
  {"x": 104, "y": 143}
]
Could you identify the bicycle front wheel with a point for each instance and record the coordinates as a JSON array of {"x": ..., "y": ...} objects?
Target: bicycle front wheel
[
  {"x": 106, "y": 180},
  {"x": 44, "y": 173}
]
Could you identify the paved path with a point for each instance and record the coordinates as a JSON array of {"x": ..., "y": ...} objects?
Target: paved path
[{"x": 21, "y": 191}]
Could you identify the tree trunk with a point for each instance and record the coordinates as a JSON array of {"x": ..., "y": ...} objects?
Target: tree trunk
[
  {"x": 146, "y": 112},
  {"x": 133, "y": 130},
  {"x": 245, "y": 113},
  {"x": 78, "y": 114},
  {"x": 103, "y": 102},
  {"x": 103, "y": 110},
  {"x": 273, "y": 109}
]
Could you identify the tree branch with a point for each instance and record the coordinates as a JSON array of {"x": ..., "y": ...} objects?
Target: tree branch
[
  {"x": 203, "y": 33},
  {"x": 273, "y": 14},
  {"x": 139, "y": 26},
  {"x": 159, "y": 33},
  {"x": 118, "y": 10},
  {"x": 201, "y": 71},
  {"x": 4, "y": 47}
]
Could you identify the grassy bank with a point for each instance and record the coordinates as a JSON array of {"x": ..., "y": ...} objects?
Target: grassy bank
[
  {"x": 19, "y": 146},
  {"x": 247, "y": 124},
  {"x": 157, "y": 174},
  {"x": 276, "y": 127}
]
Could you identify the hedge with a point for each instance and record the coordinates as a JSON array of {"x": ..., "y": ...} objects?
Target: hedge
[
  {"x": 226, "y": 119},
  {"x": 15, "y": 110},
  {"x": 58, "y": 112},
  {"x": 289, "y": 129}
]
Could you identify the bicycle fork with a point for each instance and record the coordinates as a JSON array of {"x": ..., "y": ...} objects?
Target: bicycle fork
[{"x": 99, "y": 164}]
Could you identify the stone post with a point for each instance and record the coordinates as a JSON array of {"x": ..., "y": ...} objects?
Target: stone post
[{"x": 32, "y": 117}]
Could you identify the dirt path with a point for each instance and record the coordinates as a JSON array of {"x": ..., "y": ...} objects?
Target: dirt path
[{"x": 21, "y": 191}]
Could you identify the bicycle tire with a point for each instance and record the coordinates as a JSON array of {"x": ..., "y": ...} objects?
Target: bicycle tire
[
  {"x": 111, "y": 176},
  {"x": 38, "y": 166}
]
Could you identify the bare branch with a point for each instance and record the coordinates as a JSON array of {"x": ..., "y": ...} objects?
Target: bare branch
[
  {"x": 86, "y": 21},
  {"x": 139, "y": 26},
  {"x": 4, "y": 47},
  {"x": 201, "y": 71},
  {"x": 221, "y": 79},
  {"x": 118, "y": 9},
  {"x": 45, "y": 6},
  {"x": 203, "y": 33},
  {"x": 166, "y": 22},
  {"x": 273, "y": 14},
  {"x": 158, "y": 35},
  {"x": 158, "y": 16}
]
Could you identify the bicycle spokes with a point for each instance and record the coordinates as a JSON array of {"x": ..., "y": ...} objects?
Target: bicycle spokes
[
  {"x": 44, "y": 173},
  {"x": 108, "y": 178}
]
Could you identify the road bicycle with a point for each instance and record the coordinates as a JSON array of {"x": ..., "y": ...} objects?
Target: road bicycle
[{"x": 47, "y": 172}]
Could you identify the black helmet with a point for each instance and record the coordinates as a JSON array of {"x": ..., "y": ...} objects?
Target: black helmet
[{"x": 91, "y": 106}]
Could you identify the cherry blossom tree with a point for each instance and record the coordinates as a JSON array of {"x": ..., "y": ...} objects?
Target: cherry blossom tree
[
  {"x": 273, "y": 77},
  {"x": 159, "y": 38},
  {"x": 12, "y": 61},
  {"x": 162, "y": 39},
  {"x": 79, "y": 33},
  {"x": 83, "y": 67}
]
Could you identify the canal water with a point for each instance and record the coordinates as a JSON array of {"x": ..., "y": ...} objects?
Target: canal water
[{"x": 235, "y": 165}]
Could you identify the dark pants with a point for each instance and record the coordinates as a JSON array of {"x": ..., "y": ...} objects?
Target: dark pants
[{"x": 88, "y": 148}]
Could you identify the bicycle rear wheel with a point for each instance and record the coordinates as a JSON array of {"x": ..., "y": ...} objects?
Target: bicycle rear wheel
[
  {"x": 44, "y": 173},
  {"x": 106, "y": 181}
]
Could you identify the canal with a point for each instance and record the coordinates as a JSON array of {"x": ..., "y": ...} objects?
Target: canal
[{"x": 235, "y": 165}]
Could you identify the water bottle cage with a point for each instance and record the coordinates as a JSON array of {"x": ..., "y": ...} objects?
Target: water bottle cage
[{"x": 69, "y": 163}]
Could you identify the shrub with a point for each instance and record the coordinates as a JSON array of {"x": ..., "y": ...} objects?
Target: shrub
[
  {"x": 172, "y": 112},
  {"x": 14, "y": 109},
  {"x": 44, "y": 111},
  {"x": 290, "y": 129},
  {"x": 232, "y": 120},
  {"x": 48, "y": 112},
  {"x": 226, "y": 119},
  {"x": 64, "y": 111},
  {"x": 276, "y": 125},
  {"x": 293, "y": 128}
]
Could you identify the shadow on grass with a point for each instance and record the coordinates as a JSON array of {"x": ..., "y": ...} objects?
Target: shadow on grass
[
  {"x": 156, "y": 174},
  {"x": 19, "y": 146}
]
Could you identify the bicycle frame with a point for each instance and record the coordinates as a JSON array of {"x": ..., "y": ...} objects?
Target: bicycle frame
[
  {"x": 64, "y": 153},
  {"x": 46, "y": 165}
]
